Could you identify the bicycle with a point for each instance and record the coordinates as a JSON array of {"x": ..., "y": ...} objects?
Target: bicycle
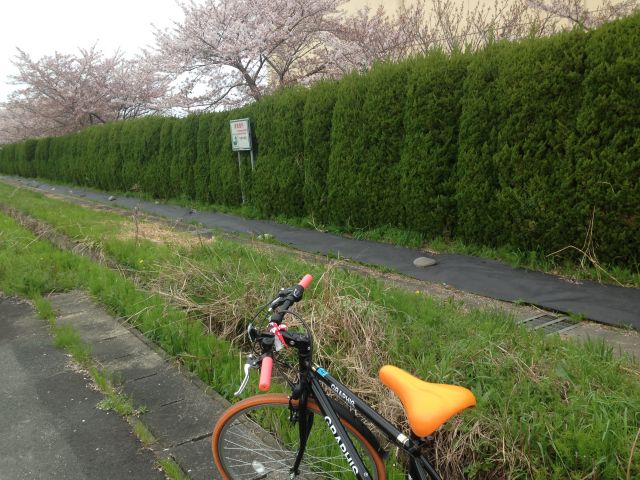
[{"x": 271, "y": 436}]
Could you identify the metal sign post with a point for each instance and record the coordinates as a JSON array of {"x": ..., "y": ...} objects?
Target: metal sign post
[
  {"x": 240, "y": 174},
  {"x": 241, "y": 142}
]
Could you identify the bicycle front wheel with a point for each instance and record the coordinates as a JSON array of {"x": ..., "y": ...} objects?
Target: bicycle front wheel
[{"x": 254, "y": 439}]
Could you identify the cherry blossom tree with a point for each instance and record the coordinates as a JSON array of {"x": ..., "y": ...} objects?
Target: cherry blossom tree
[
  {"x": 227, "y": 51},
  {"x": 359, "y": 40},
  {"x": 451, "y": 25},
  {"x": 15, "y": 125},
  {"x": 576, "y": 12},
  {"x": 63, "y": 93}
]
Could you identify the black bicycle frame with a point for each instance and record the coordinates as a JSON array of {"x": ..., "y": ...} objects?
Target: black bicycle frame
[
  {"x": 419, "y": 468},
  {"x": 312, "y": 376}
]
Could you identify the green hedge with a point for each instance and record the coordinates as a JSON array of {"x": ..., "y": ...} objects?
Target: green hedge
[
  {"x": 317, "y": 125},
  {"x": 518, "y": 126},
  {"x": 608, "y": 151},
  {"x": 224, "y": 178},
  {"x": 345, "y": 188},
  {"x": 279, "y": 175},
  {"x": 367, "y": 135},
  {"x": 520, "y": 144},
  {"x": 429, "y": 152},
  {"x": 201, "y": 166}
]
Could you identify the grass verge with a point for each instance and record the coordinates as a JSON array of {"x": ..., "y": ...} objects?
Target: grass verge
[
  {"x": 546, "y": 408},
  {"x": 142, "y": 432},
  {"x": 566, "y": 262}
]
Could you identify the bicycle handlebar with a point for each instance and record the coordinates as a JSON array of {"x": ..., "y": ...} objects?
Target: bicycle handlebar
[
  {"x": 265, "y": 373},
  {"x": 306, "y": 281},
  {"x": 284, "y": 300},
  {"x": 288, "y": 296}
]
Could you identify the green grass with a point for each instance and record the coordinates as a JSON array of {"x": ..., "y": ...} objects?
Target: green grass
[
  {"x": 118, "y": 403},
  {"x": 142, "y": 432},
  {"x": 44, "y": 309},
  {"x": 171, "y": 469},
  {"x": 567, "y": 263},
  {"x": 115, "y": 400},
  {"x": 68, "y": 338},
  {"x": 546, "y": 408}
]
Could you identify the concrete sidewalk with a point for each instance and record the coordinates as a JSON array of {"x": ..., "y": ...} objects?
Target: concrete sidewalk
[
  {"x": 50, "y": 426},
  {"x": 181, "y": 409}
]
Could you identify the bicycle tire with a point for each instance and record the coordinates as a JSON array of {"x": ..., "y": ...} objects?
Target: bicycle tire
[{"x": 255, "y": 439}]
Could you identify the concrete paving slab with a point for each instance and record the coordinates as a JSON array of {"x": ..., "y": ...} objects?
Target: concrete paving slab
[
  {"x": 113, "y": 348},
  {"x": 50, "y": 427},
  {"x": 15, "y": 308},
  {"x": 622, "y": 341},
  {"x": 199, "y": 458},
  {"x": 180, "y": 410},
  {"x": 91, "y": 323},
  {"x": 183, "y": 421},
  {"x": 157, "y": 390},
  {"x": 70, "y": 303},
  {"x": 12, "y": 330},
  {"x": 138, "y": 367}
]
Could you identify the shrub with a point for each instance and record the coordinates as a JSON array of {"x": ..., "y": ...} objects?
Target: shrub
[
  {"x": 317, "y": 118},
  {"x": 608, "y": 154},
  {"x": 201, "y": 167},
  {"x": 225, "y": 179},
  {"x": 426, "y": 190},
  {"x": 279, "y": 175}
]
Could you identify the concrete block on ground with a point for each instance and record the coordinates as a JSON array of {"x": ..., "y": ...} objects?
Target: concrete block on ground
[
  {"x": 183, "y": 421},
  {"x": 50, "y": 426},
  {"x": 93, "y": 324},
  {"x": 180, "y": 412},
  {"x": 198, "y": 456},
  {"x": 71, "y": 302},
  {"x": 137, "y": 367},
  {"x": 121, "y": 346}
]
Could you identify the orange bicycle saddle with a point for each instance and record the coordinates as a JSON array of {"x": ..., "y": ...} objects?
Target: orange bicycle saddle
[{"x": 428, "y": 405}]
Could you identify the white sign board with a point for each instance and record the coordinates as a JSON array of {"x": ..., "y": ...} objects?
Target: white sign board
[{"x": 240, "y": 134}]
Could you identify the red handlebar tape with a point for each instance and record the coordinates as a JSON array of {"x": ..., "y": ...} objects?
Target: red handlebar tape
[
  {"x": 265, "y": 374},
  {"x": 306, "y": 280}
]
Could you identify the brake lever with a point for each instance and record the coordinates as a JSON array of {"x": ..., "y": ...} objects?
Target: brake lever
[
  {"x": 252, "y": 362},
  {"x": 280, "y": 299},
  {"x": 275, "y": 304}
]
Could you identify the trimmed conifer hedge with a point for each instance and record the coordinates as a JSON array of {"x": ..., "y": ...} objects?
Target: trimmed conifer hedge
[
  {"x": 534, "y": 144},
  {"x": 426, "y": 170},
  {"x": 607, "y": 152},
  {"x": 317, "y": 126},
  {"x": 516, "y": 174}
]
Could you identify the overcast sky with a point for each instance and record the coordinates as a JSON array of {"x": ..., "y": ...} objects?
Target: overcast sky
[{"x": 41, "y": 27}]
